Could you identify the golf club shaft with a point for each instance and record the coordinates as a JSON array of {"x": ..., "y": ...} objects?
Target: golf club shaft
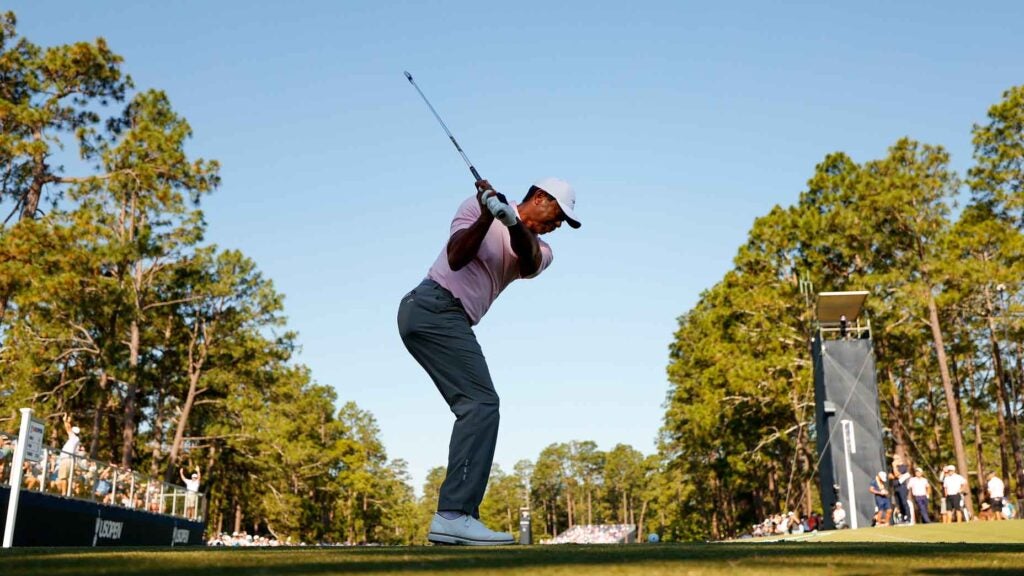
[
  {"x": 500, "y": 213},
  {"x": 446, "y": 130}
]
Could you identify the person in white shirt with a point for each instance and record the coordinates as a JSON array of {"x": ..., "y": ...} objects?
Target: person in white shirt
[
  {"x": 191, "y": 492},
  {"x": 839, "y": 516},
  {"x": 66, "y": 462},
  {"x": 995, "y": 495},
  {"x": 954, "y": 485},
  {"x": 920, "y": 491}
]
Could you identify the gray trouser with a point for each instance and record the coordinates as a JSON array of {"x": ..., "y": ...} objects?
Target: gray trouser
[{"x": 436, "y": 331}]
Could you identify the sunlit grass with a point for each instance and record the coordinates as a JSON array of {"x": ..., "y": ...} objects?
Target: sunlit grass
[{"x": 922, "y": 550}]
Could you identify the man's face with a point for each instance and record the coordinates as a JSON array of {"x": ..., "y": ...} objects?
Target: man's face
[{"x": 548, "y": 215}]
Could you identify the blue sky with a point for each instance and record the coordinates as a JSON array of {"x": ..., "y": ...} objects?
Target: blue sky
[{"x": 677, "y": 122}]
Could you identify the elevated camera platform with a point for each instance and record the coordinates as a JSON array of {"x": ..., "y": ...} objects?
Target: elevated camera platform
[{"x": 839, "y": 316}]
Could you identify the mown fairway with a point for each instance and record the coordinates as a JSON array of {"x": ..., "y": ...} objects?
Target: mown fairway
[{"x": 931, "y": 549}]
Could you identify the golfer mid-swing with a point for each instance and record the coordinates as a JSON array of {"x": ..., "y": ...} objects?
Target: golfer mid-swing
[{"x": 492, "y": 243}]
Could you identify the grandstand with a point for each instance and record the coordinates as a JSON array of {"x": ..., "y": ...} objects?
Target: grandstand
[
  {"x": 69, "y": 499},
  {"x": 596, "y": 534}
]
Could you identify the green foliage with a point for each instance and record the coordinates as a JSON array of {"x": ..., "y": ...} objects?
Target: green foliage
[
  {"x": 506, "y": 494},
  {"x": 166, "y": 352},
  {"x": 738, "y": 433}
]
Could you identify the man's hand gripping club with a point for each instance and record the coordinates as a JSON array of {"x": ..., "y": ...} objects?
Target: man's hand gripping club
[{"x": 495, "y": 203}]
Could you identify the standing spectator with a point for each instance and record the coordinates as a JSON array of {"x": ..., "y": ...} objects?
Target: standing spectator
[
  {"x": 65, "y": 464},
  {"x": 900, "y": 477},
  {"x": 953, "y": 486},
  {"x": 839, "y": 516},
  {"x": 995, "y": 495},
  {"x": 82, "y": 478},
  {"x": 920, "y": 491},
  {"x": 191, "y": 492},
  {"x": 6, "y": 450},
  {"x": 882, "y": 504}
]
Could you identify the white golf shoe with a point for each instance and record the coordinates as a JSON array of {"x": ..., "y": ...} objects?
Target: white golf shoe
[{"x": 465, "y": 530}]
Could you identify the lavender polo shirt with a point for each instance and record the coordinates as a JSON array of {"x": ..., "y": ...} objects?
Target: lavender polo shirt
[{"x": 495, "y": 266}]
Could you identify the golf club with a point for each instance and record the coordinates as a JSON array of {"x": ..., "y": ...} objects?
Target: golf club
[{"x": 500, "y": 214}]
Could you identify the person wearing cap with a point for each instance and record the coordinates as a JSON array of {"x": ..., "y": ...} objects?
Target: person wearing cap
[
  {"x": 900, "y": 475},
  {"x": 921, "y": 492},
  {"x": 839, "y": 516},
  {"x": 883, "y": 506},
  {"x": 492, "y": 242},
  {"x": 65, "y": 464},
  {"x": 191, "y": 492},
  {"x": 953, "y": 486},
  {"x": 996, "y": 490}
]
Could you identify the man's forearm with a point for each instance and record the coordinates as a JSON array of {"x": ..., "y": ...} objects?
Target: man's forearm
[
  {"x": 527, "y": 248},
  {"x": 465, "y": 243}
]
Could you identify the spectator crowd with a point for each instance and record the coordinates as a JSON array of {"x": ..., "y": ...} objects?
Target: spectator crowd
[
  {"x": 237, "y": 539},
  {"x": 902, "y": 498},
  {"x": 596, "y": 534},
  {"x": 70, "y": 473}
]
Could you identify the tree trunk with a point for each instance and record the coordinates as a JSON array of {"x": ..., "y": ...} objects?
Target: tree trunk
[
  {"x": 803, "y": 456},
  {"x": 590, "y": 506},
  {"x": 715, "y": 531},
  {"x": 1013, "y": 428},
  {"x": 979, "y": 443},
  {"x": 5, "y": 298},
  {"x": 896, "y": 421},
  {"x": 622, "y": 513},
  {"x": 935, "y": 440},
  {"x": 760, "y": 508},
  {"x": 947, "y": 387},
  {"x": 179, "y": 432},
  {"x": 97, "y": 416},
  {"x": 554, "y": 518},
  {"x": 1008, "y": 437},
  {"x": 640, "y": 525},
  {"x": 128, "y": 424},
  {"x": 158, "y": 435},
  {"x": 908, "y": 407},
  {"x": 568, "y": 508},
  {"x": 629, "y": 501},
  {"x": 238, "y": 517},
  {"x": 809, "y": 498},
  {"x": 39, "y": 177}
]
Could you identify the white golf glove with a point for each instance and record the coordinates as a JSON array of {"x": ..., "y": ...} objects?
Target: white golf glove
[{"x": 503, "y": 212}]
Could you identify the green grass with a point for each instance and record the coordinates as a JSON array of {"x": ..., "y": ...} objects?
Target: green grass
[{"x": 967, "y": 550}]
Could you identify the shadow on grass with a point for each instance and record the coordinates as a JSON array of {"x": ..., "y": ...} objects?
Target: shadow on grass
[{"x": 914, "y": 558}]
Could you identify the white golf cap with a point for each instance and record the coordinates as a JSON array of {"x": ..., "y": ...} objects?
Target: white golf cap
[{"x": 564, "y": 194}]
